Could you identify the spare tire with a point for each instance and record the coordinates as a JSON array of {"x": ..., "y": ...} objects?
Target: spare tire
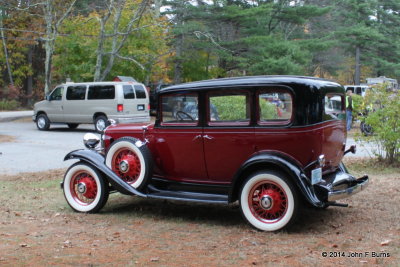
[{"x": 131, "y": 160}]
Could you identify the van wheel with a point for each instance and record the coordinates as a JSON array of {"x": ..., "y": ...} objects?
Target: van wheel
[
  {"x": 84, "y": 188},
  {"x": 269, "y": 201},
  {"x": 73, "y": 125},
  {"x": 131, "y": 160},
  {"x": 42, "y": 122},
  {"x": 100, "y": 123}
]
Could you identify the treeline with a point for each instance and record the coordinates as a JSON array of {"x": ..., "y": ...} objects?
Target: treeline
[{"x": 44, "y": 42}]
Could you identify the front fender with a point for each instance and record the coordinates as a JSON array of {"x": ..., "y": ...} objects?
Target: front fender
[
  {"x": 279, "y": 162},
  {"x": 97, "y": 160}
]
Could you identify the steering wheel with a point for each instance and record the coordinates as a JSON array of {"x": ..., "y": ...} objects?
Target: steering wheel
[{"x": 179, "y": 114}]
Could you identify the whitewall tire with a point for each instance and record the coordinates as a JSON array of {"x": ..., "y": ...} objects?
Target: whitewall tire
[
  {"x": 131, "y": 160},
  {"x": 84, "y": 188},
  {"x": 268, "y": 201}
]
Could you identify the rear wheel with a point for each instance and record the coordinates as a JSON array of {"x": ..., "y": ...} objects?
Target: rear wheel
[
  {"x": 42, "y": 122},
  {"x": 131, "y": 160},
  {"x": 269, "y": 201},
  {"x": 84, "y": 188}
]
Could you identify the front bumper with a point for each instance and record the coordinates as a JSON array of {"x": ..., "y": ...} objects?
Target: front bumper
[{"x": 339, "y": 185}]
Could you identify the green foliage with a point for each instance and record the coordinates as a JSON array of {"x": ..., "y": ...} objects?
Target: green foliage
[
  {"x": 385, "y": 122},
  {"x": 268, "y": 110},
  {"x": 8, "y": 104},
  {"x": 358, "y": 105},
  {"x": 230, "y": 108}
]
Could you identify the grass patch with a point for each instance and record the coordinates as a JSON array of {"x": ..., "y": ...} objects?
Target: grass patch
[{"x": 360, "y": 166}]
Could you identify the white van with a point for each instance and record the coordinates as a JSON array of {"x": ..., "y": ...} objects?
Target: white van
[
  {"x": 93, "y": 102},
  {"x": 357, "y": 89}
]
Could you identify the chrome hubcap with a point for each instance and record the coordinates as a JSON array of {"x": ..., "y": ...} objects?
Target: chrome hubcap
[
  {"x": 41, "y": 122},
  {"x": 124, "y": 166},
  {"x": 101, "y": 125},
  {"x": 266, "y": 202},
  {"x": 82, "y": 188}
]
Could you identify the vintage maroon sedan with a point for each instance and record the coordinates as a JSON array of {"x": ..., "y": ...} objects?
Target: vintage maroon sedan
[{"x": 270, "y": 142}]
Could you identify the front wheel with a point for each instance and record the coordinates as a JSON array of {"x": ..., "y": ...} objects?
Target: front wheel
[
  {"x": 42, "y": 122},
  {"x": 100, "y": 123},
  {"x": 269, "y": 201},
  {"x": 84, "y": 188}
]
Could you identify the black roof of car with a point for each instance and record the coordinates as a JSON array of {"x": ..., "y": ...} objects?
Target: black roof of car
[{"x": 313, "y": 82}]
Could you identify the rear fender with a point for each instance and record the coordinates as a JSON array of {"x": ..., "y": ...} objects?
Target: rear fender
[
  {"x": 278, "y": 162},
  {"x": 97, "y": 160}
]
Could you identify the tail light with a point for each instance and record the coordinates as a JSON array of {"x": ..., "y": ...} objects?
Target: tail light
[
  {"x": 120, "y": 107},
  {"x": 148, "y": 107}
]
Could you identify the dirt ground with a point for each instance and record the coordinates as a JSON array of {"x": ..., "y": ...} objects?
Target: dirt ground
[{"x": 38, "y": 228}]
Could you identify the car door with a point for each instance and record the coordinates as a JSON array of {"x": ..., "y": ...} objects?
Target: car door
[
  {"x": 179, "y": 143},
  {"x": 54, "y": 106},
  {"x": 228, "y": 135}
]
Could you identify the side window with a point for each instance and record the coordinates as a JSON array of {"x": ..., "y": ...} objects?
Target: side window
[
  {"x": 275, "y": 106},
  {"x": 56, "y": 95},
  {"x": 101, "y": 92},
  {"x": 334, "y": 107},
  {"x": 128, "y": 92},
  {"x": 140, "y": 91},
  {"x": 180, "y": 109},
  {"x": 231, "y": 108},
  {"x": 76, "y": 92}
]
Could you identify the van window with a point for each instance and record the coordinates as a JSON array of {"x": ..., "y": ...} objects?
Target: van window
[
  {"x": 128, "y": 92},
  {"x": 140, "y": 91},
  {"x": 76, "y": 92},
  {"x": 57, "y": 94},
  {"x": 101, "y": 92}
]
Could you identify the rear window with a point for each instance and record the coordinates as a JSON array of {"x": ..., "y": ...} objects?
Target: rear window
[
  {"x": 140, "y": 91},
  {"x": 334, "y": 107},
  {"x": 76, "y": 92},
  {"x": 128, "y": 92},
  {"x": 101, "y": 92}
]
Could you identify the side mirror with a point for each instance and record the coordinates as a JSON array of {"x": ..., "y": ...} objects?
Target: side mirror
[{"x": 47, "y": 97}]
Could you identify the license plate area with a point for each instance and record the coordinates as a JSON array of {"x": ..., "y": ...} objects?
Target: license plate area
[{"x": 316, "y": 176}]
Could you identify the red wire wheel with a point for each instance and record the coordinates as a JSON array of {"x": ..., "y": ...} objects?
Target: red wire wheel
[
  {"x": 84, "y": 188},
  {"x": 131, "y": 160},
  {"x": 126, "y": 164},
  {"x": 268, "y": 201}
]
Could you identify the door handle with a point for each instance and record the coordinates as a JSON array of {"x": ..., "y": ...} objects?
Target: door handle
[
  {"x": 196, "y": 137},
  {"x": 208, "y": 137}
]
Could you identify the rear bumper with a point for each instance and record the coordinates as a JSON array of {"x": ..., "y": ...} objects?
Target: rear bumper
[
  {"x": 339, "y": 185},
  {"x": 353, "y": 188}
]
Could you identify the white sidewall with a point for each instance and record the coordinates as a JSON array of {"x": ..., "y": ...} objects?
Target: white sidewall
[
  {"x": 126, "y": 144},
  {"x": 67, "y": 188},
  {"x": 244, "y": 203}
]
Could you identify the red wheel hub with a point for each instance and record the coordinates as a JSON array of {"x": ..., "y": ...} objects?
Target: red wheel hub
[
  {"x": 268, "y": 202},
  {"x": 83, "y": 188},
  {"x": 126, "y": 164}
]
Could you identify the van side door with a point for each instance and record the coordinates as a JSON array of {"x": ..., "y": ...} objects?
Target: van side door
[{"x": 74, "y": 104}]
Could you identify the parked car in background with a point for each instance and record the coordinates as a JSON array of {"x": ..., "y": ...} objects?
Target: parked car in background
[
  {"x": 271, "y": 143},
  {"x": 93, "y": 102}
]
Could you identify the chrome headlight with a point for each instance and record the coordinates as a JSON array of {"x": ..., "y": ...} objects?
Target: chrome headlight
[
  {"x": 90, "y": 140},
  {"x": 321, "y": 160}
]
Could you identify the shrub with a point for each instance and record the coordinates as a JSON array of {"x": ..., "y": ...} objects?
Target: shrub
[
  {"x": 385, "y": 122},
  {"x": 8, "y": 104}
]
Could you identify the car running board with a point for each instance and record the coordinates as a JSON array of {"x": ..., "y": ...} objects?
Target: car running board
[{"x": 154, "y": 192}]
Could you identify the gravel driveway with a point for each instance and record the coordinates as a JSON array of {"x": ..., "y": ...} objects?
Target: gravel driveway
[{"x": 33, "y": 150}]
